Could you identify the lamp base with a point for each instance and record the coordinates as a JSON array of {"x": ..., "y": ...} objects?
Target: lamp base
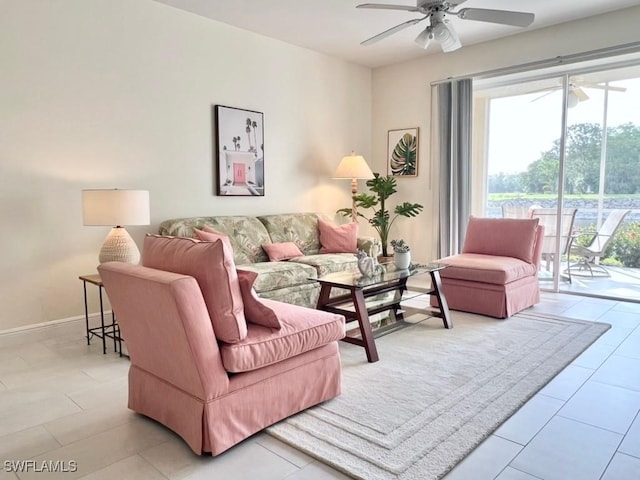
[
  {"x": 354, "y": 192},
  {"x": 119, "y": 247}
]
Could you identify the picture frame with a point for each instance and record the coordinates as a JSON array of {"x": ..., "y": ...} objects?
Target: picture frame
[
  {"x": 402, "y": 152},
  {"x": 239, "y": 135}
]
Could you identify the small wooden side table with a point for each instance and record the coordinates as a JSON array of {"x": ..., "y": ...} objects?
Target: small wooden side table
[{"x": 104, "y": 331}]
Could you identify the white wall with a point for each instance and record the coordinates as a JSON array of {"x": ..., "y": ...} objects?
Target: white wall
[
  {"x": 119, "y": 93},
  {"x": 402, "y": 99}
]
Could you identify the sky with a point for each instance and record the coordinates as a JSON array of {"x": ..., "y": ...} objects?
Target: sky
[{"x": 524, "y": 126}]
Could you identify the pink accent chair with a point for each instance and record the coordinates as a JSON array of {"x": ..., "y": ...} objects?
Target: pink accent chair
[
  {"x": 496, "y": 273},
  {"x": 215, "y": 393}
]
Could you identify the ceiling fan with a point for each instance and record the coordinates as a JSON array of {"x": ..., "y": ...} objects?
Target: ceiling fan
[
  {"x": 440, "y": 29},
  {"x": 577, "y": 92}
]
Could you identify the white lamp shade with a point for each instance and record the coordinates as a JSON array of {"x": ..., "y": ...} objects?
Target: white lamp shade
[
  {"x": 446, "y": 36},
  {"x": 115, "y": 207},
  {"x": 353, "y": 166},
  {"x": 424, "y": 38}
]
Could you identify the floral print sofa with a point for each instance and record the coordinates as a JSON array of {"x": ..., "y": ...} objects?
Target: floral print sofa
[{"x": 290, "y": 281}]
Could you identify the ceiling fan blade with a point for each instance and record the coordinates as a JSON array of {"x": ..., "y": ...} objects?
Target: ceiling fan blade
[
  {"x": 603, "y": 87},
  {"x": 504, "y": 17},
  {"x": 387, "y": 6},
  {"x": 391, "y": 31}
]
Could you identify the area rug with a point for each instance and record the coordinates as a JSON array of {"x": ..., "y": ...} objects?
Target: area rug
[{"x": 435, "y": 394}]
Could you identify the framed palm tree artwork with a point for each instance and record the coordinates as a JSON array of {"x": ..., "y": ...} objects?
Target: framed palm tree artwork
[
  {"x": 402, "y": 152},
  {"x": 239, "y": 152}
]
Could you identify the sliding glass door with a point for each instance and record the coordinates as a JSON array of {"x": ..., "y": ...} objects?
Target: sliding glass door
[
  {"x": 524, "y": 125},
  {"x": 602, "y": 182},
  {"x": 565, "y": 148}
]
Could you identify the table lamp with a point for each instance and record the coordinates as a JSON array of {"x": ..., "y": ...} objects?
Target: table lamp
[
  {"x": 353, "y": 167},
  {"x": 116, "y": 208}
]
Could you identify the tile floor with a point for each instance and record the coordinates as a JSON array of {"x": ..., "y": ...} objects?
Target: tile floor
[{"x": 63, "y": 401}]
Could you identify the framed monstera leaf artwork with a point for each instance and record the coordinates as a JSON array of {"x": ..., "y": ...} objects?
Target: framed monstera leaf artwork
[{"x": 402, "y": 152}]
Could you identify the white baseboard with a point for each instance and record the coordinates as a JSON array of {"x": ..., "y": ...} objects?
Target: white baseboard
[{"x": 38, "y": 331}]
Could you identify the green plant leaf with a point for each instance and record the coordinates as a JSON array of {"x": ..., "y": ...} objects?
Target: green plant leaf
[
  {"x": 382, "y": 219},
  {"x": 364, "y": 200},
  {"x": 407, "y": 209},
  {"x": 384, "y": 187},
  {"x": 405, "y": 153}
]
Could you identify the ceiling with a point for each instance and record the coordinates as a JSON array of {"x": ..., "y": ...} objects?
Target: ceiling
[{"x": 336, "y": 27}]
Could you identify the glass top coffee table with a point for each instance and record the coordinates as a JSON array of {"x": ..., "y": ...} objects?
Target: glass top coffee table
[{"x": 371, "y": 295}]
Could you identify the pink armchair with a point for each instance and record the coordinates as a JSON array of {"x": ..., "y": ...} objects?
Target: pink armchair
[
  {"x": 496, "y": 273},
  {"x": 277, "y": 359}
]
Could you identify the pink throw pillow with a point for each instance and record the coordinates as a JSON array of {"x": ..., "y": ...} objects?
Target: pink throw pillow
[
  {"x": 338, "y": 238},
  {"x": 208, "y": 234},
  {"x": 254, "y": 310},
  {"x": 281, "y": 251},
  {"x": 212, "y": 265},
  {"x": 504, "y": 237}
]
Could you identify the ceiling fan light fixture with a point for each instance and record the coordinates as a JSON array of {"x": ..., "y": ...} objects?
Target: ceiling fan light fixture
[
  {"x": 424, "y": 38},
  {"x": 446, "y": 36},
  {"x": 572, "y": 99},
  {"x": 576, "y": 94}
]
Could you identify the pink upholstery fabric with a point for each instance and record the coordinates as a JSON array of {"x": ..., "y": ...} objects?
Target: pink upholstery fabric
[
  {"x": 338, "y": 238},
  {"x": 303, "y": 329},
  {"x": 486, "y": 268},
  {"x": 212, "y": 265},
  {"x": 281, "y": 251},
  {"x": 161, "y": 315},
  {"x": 262, "y": 397},
  {"x": 498, "y": 285},
  {"x": 208, "y": 234},
  {"x": 255, "y": 310},
  {"x": 177, "y": 377},
  {"x": 505, "y": 237},
  {"x": 499, "y": 301}
]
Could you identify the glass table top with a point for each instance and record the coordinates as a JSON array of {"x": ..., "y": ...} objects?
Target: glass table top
[{"x": 388, "y": 273}]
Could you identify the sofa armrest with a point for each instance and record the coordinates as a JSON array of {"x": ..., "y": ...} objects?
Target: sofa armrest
[{"x": 371, "y": 245}]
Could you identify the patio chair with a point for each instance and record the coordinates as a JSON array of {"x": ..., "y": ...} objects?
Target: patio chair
[
  {"x": 590, "y": 254},
  {"x": 548, "y": 218},
  {"x": 515, "y": 211}
]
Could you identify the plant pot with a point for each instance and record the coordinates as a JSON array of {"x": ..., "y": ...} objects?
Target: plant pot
[
  {"x": 383, "y": 259},
  {"x": 402, "y": 260}
]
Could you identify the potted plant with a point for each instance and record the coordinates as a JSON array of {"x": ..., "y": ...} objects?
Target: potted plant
[
  {"x": 382, "y": 219},
  {"x": 402, "y": 254}
]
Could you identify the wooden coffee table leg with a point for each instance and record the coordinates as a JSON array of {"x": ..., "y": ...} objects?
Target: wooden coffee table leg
[
  {"x": 365, "y": 326},
  {"x": 323, "y": 298},
  {"x": 442, "y": 301}
]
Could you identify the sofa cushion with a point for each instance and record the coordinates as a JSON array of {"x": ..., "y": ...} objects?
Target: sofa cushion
[
  {"x": 492, "y": 269},
  {"x": 509, "y": 237},
  {"x": 303, "y": 329},
  {"x": 329, "y": 262},
  {"x": 303, "y": 295},
  {"x": 338, "y": 238},
  {"x": 255, "y": 311},
  {"x": 281, "y": 251},
  {"x": 276, "y": 275},
  {"x": 247, "y": 234},
  {"x": 211, "y": 264},
  {"x": 299, "y": 228}
]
